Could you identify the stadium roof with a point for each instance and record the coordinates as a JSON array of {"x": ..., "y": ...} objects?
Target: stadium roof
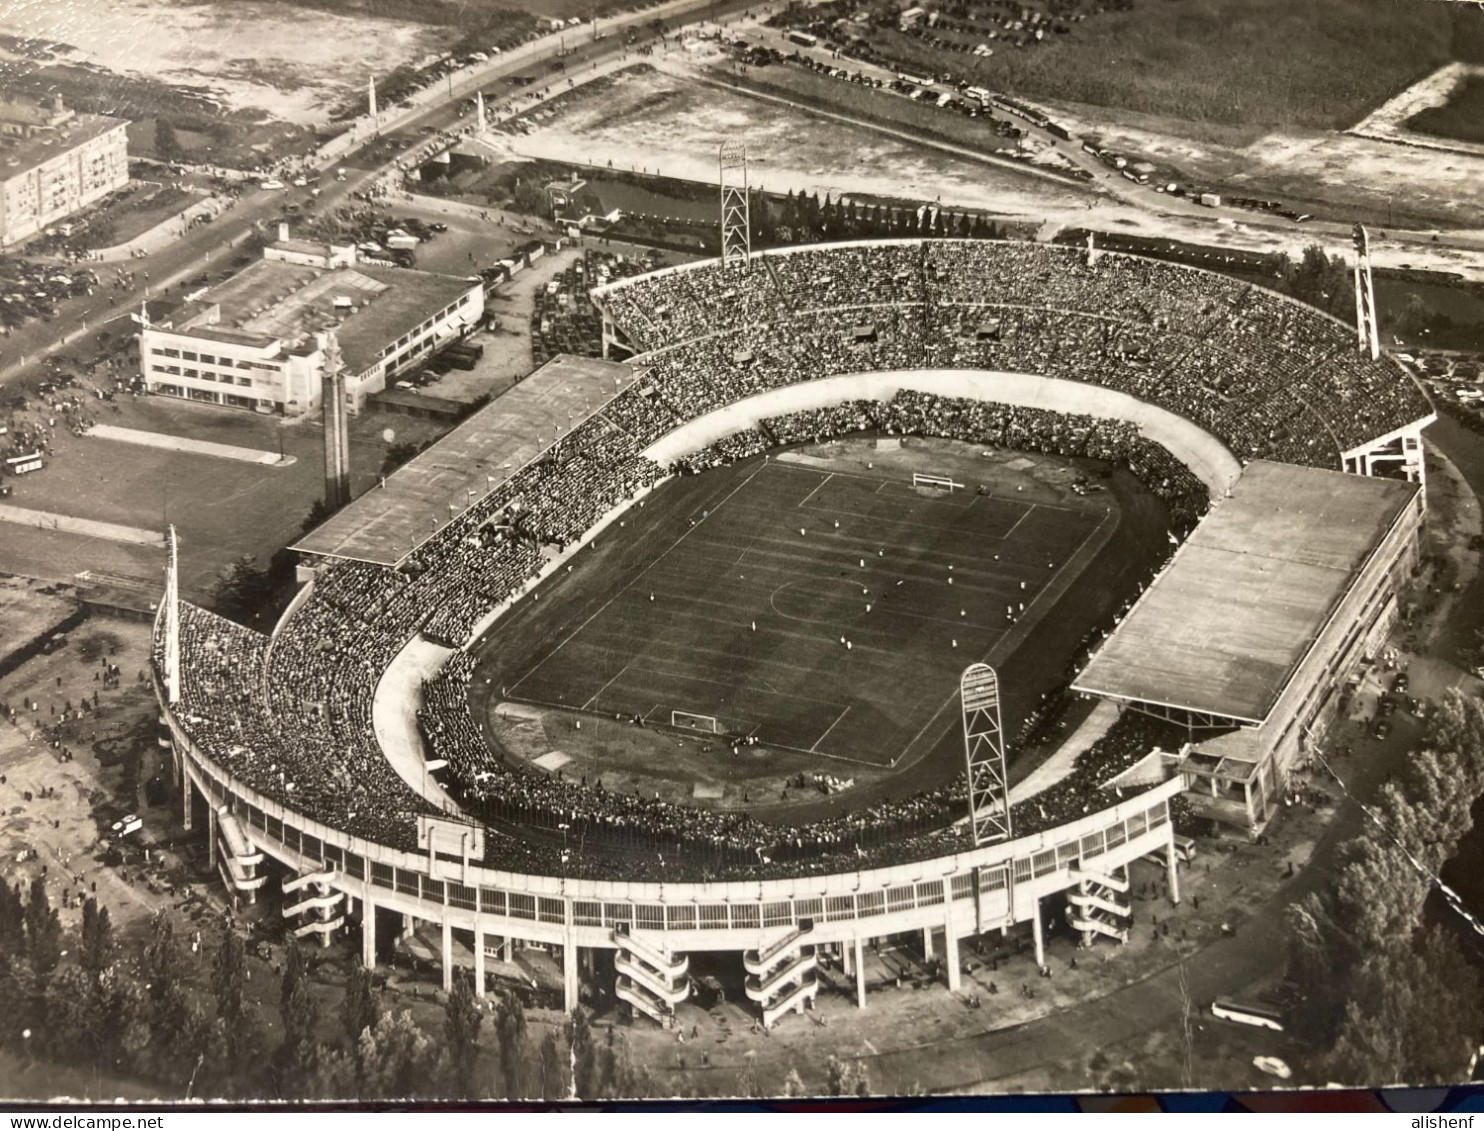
[
  {"x": 386, "y": 523},
  {"x": 1222, "y": 629}
]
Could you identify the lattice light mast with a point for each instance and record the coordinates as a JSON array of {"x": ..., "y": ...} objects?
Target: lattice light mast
[
  {"x": 736, "y": 219},
  {"x": 172, "y": 618},
  {"x": 1367, "y": 331},
  {"x": 984, "y": 752}
]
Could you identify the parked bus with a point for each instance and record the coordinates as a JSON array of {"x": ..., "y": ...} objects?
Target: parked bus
[
  {"x": 22, "y": 465},
  {"x": 1259, "y": 1016},
  {"x": 1184, "y": 849},
  {"x": 803, "y": 39}
]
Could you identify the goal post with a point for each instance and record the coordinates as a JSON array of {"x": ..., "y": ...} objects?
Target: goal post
[
  {"x": 940, "y": 482},
  {"x": 688, "y": 720}
]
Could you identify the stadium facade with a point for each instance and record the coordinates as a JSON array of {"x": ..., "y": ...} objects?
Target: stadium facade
[
  {"x": 276, "y": 733},
  {"x": 260, "y": 340}
]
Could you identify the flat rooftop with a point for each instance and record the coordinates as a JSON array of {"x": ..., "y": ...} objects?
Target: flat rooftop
[
  {"x": 387, "y": 523},
  {"x": 1224, "y": 627},
  {"x": 271, "y": 299},
  {"x": 29, "y": 152}
]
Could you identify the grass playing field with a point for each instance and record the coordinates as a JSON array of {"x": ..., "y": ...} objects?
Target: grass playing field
[{"x": 817, "y": 609}]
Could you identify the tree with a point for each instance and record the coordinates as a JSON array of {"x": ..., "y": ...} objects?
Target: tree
[
  {"x": 510, "y": 1027},
  {"x": 397, "y": 453},
  {"x": 228, "y": 978},
  {"x": 461, "y": 1021},
  {"x": 554, "y": 1084},
  {"x": 1412, "y": 1019},
  {"x": 43, "y": 930},
  {"x": 96, "y": 946},
  {"x": 73, "y": 1019},
  {"x": 242, "y": 589},
  {"x": 793, "y": 1085},
  {"x": 12, "y": 930},
  {"x": 300, "y": 1022},
  {"x": 847, "y": 1078},
  {"x": 167, "y": 145},
  {"x": 358, "y": 1010},
  {"x": 396, "y": 1058},
  {"x": 160, "y": 966},
  {"x": 318, "y": 512}
]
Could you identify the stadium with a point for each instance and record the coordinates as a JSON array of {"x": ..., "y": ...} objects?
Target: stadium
[{"x": 570, "y": 551}]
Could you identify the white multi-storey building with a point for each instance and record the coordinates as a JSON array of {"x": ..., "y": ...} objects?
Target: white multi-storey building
[
  {"x": 55, "y": 163},
  {"x": 258, "y": 340}
]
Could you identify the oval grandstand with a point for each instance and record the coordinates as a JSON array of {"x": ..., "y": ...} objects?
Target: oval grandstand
[{"x": 283, "y": 724}]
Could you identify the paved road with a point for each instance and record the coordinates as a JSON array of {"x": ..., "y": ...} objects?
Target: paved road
[
  {"x": 1420, "y": 248},
  {"x": 207, "y": 248}
]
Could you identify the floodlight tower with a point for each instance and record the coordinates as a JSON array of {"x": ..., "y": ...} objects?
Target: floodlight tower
[
  {"x": 736, "y": 220},
  {"x": 172, "y": 617},
  {"x": 1367, "y": 332},
  {"x": 984, "y": 752}
]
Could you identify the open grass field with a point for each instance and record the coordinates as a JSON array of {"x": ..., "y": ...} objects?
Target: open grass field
[
  {"x": 1461, "y": 118},
  {"x": 904, "y": 574},
  {"x": 1255, "y": 64}
]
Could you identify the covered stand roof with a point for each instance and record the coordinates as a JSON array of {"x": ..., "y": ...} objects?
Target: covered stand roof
[{"x": 1222, "y": 630}]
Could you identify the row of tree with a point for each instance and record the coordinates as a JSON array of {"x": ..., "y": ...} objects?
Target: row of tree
[
  {"x": 1388, "y": 996},
  {"x": 89, "y": 1002}
]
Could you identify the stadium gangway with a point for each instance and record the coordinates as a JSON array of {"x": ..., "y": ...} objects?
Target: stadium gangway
[
  {"x": 1113, "y": 883},
  {"x": 677, "y": 966},
  {"x": 236, "y": 878},
  {"x": 1088, "y": 900},
  {"x": 314, "y": 903},
  {"x": 323, "y": 927},
  {"x": 796, "y": 1000},
  {"x": 671, "y": 993},
  {"x": 764, "y": 989},
  {"x": 639, "y": 998},
  {"x": 324, "y": 877},
  {"x": 762, "y": 962},
  {"x": 234, "y": 841},
  {"x": 1093, "y": 922}
]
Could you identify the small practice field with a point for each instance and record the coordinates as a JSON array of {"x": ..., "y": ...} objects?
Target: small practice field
[{"x": 824, "y": 611}]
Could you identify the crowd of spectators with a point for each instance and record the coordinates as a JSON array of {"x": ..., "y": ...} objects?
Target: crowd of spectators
[
  {"x": 292, "y": 715},
  {"x": 604, "y": 834},
  {"x": 1269, "y": 376}
]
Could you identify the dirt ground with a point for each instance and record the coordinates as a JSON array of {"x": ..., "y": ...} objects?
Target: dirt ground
[
  {"x": 661, "y": 119},
  {"x": 28, "y": 609},
  {"x": 291, "y": 62}
]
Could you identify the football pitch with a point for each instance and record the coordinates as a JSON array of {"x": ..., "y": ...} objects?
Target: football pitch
[{"x": 822, "y": 611}]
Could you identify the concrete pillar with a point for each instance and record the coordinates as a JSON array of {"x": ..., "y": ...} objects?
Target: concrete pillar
[
  {"x": 185, "y": 801},
  {"x": 927, "y": 944},
  {"x": 1039, "y": 934},
  {"x": 211, "y": 836},
  {"x": 860, "y": 976},
  {"x": 447, "y": 953},
  {"x": 478, "y": 961},
  {"x": 847, "y": 954},
  {"x": 570, "y": 980},
  {"x": 368, "y": 932},
  {"x": 950, "y": 956},
  {"x": 507, "y": 949},
  {"x": 1172, "y": 868},
  {"x": 407, "y": 926}
]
